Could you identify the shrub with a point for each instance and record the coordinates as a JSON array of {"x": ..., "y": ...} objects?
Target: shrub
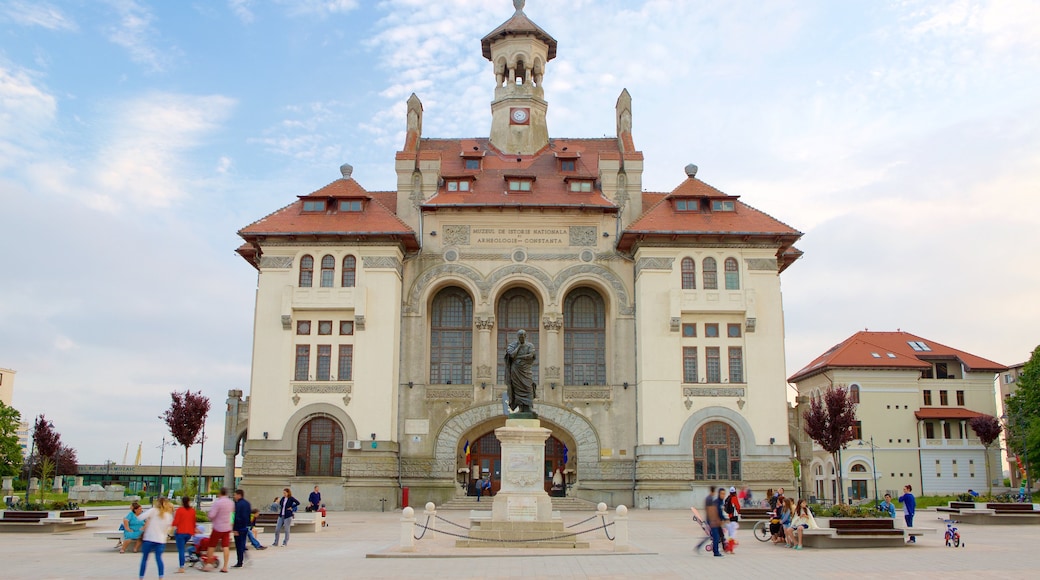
[
  {"x": 848, "y": 511},
  {"x": 59, "y": 505},
  {"x": 201, "y": 517}
]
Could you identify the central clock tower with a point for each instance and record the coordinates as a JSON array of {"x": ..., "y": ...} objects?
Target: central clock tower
[{"x": 519, "y": 50}]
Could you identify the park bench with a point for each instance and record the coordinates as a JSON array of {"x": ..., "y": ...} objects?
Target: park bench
[
  {"x": 956, "y": 507},
  {"x": 860, "y": 533},
  {"x": 753, "y": 514},
  {"x": 41, "y": 521},
  {"x": 305, "y": 522},
  {"x": 992, "y": 512}
]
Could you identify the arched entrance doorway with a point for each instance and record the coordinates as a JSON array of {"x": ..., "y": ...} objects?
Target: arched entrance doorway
[{"x": 486, "y": 455}]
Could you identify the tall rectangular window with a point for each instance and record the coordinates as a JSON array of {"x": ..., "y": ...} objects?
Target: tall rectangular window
[
  {"x": 946, "y": 430},
  {"x": 927, "y": 397},
  {"x": 857, "y": 430},
  {"x": 303, "y": 361},
  {"x": 929, "y": 430},
  {"x": 714, "y": 364},
  {"x": 324, "y": 362},
  {"x": 689, "y": 364},
  {"x": 736, "y": 364},
  {"x": 346, "y": 362},
  {"x": 960, "y": 398},
  {"x": 944, "y": 398}
]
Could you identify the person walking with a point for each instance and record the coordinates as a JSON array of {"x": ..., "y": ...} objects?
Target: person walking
[
  {"x": 314, "y": 500},
  {"x": 287, "y": 505},
  {"x": 909, "y": 507},
  {"x": 241, "y": 526},
  {"x": 717, "y": 519},
  {"x": 252, "y": 524},
  {"x": 184, "y": 526},
  {"x": 220, "y": 514},
  {"x": 709, "y": 503},
  {"x": 157, "y": 522}
]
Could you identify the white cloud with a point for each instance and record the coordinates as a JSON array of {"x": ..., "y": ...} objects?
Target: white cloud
[
  {"x": 26, "y": 112},
  {"x": 241, "y": 9},
  {"x": 137, "y": 35},
  {"x": 320, "y": 8},
  {"x": 40, "y": 14}
]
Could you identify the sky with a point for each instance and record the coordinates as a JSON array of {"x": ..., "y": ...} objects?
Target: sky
[{"x": 137, "y": 138}]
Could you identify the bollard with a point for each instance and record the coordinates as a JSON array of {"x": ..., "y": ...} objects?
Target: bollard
[
  {"x": 621, "y": 529},
  {"x": 431, "y": 517},
  {"x": 407, "y": 530}
]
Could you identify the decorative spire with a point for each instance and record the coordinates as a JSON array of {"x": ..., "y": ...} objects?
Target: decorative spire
[{"x": 519, "y": 5}]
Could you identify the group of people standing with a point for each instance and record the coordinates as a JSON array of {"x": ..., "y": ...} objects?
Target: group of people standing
[{"x": 149, "y": 530}]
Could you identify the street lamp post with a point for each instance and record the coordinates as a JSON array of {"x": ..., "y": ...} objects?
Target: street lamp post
[
  {"x": 162, "y": 453},
  {"x": 873, "y": 467}
]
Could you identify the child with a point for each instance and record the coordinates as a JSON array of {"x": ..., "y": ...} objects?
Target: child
[
  {"x": 249, "y": 531},
  {"x": 321, "y": 511},
  {"x": 909, "y": 507}
]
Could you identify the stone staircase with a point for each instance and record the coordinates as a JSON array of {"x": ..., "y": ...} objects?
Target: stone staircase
[{"x": 562, "y": 504}]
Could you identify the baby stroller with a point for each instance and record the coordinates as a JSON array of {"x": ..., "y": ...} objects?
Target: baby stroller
[
  {"x": 706, "y": 541},
  {"x": 195, "y": 555}
]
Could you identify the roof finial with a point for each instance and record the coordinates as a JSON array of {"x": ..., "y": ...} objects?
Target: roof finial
[
  {"x": 346, "y": 169},
  {"x": 519, "y": 5}
]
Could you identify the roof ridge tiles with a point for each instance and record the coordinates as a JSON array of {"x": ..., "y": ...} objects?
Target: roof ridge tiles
[{"x": 277, "y": 211}]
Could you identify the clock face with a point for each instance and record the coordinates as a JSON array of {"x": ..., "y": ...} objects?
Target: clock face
[{"x": 519, "y": 116}]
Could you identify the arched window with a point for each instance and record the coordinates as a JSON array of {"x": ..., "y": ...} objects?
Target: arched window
[
  {"x": 328, "y": 271},
  {"x": 306, "y": 271},
  {"x": 518, "y": 308},
  {"x": 319, "y": 448},
  {"x": 716, "y": 452},
  {"x": 349, "y": 271},
  {"x": 732, "y": 275},
  {"x": 584, "y": 338},
  {"x": 689, "y": 274},
  {"x": 854, "y": 393},
  {"x": 711, "y": 274},
  {"x": 859, "y": 468},
  {"x": 451, "y": 338}
]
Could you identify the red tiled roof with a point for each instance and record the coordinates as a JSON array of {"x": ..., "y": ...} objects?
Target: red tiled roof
[
  {"x": 518, "y": 24},
  {"x": 894, "y": 352},
  {"x": 489, "y": 187},
  {"x": 662, "y": 219},
  {"x": 946, "y": 413},
  {"x": 374, "y": 221}
]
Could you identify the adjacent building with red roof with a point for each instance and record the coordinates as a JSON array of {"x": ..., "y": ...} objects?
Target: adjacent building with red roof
[
  {"x": 916, "y": 397},
  {"x": 382, "y": 318}
]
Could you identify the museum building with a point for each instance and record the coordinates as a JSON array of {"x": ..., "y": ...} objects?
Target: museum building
[{"x": 382, "y": 317}]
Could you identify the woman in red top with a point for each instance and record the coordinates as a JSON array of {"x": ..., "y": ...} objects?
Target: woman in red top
[{"x": 184, "y": 527}]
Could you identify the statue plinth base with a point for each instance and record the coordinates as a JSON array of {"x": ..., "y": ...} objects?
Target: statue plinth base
[{"x": 521, "y": 510}]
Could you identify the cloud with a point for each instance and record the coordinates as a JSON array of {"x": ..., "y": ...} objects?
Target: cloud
[
  {"x": 26, "y": 112},
  {"x": 137, "y": 35},
  {"x": 241, "y": 9},
  {"x": 40, "y": 14},
  {"x": 320, "y": 8}
]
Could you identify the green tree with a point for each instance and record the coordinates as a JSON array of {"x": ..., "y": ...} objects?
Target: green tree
[
  {"x": 10, "y": 450},
  {"x": 1023, "y": 420}
]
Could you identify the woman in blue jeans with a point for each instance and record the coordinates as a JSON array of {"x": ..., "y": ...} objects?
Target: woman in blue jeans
[
  {"x": 184, "y": 526},
  {"x": 157, "y": 522}
]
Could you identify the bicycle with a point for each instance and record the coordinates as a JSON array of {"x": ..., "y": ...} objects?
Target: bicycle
[
  {"x": 761, "y": 531},
  {"x": 952, "y": 537}
]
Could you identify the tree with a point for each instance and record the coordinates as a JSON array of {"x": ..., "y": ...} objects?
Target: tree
[
  {"x": 988, "y": 430},
  {"x": 185, "y": 417},
  {"x": 1023, "y": 408},
  {"x": 10, "y": 449},
  {"x": 829, "y": 421},
  {"x": 47, "y": 441}
]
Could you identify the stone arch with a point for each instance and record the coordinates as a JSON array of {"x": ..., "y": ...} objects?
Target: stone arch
[
  {"x": 447, "y": 440},
  {"x": 593, "y": 274},
  {"x": 505, "y": 277},
  {"x": 724, "y": 415},
  {"x": 308, "y": 412},
  {"x": 431, "y": 290},
  {"x": 460, "y": 273}
]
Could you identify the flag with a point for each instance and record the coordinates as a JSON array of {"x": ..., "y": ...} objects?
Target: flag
[
  {"x": 465, "y": 449},
  {"x": 565, "y": 454}
]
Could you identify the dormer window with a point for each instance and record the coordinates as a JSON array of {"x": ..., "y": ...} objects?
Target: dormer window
[
  {"x": 350, "y": 205},
  {"x": 687, "y": 205},
  {"x": 520, "y": 184},
  {"x": 314, "y": 205},
  {"x": 457, "y": 184},
  {"x": 473, "y": 164},
  {"x": 723, "y": 205},
  {"x": 567, "y": 165},
  {"x": 580, "y": 185}
]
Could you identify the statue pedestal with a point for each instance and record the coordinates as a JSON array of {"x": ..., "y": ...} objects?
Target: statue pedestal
[{"x": 521, "y": 513}]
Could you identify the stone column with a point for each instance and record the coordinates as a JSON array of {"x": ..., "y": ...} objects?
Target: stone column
[
  {"x": 8, "y": 487},
  {"x": 79, "y": 480},
  {"x": 522, "y": 497},
  {"x": 34, "y": 484},
  {"x": 484, "y": 369},
  {"x": 552, "y": 323},
  {"x": 58, "y": 481},
  {"x": 942, "y": 431}
]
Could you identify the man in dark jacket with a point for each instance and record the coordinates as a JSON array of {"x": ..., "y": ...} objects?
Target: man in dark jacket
[
  {"x": 241, "y": 525},
  {"x": 717, "y": 519}
]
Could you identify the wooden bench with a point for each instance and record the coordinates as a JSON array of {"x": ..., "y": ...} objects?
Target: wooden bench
[
  {"x": 1012, "y": 508},
  {"x": 956, "y": 507},
  {"x": 753, "y": 514},
  {"x": 45, "y": 522},
  {"x": 859, "y": 533}
]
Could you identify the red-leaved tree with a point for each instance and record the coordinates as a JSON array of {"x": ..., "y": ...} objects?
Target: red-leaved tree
[
  {"x": 987, "y": 428},
  {"x": 185, "y": 417},
  {"x": 829, "y": 421},
  {"x": 49, "y": 447}
]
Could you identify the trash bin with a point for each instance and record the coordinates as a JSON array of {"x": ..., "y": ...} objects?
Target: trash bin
[{"x": 404, "y": 497}]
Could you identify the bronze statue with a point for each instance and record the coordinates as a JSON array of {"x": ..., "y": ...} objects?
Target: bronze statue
[{"x": 519, "y": 362}]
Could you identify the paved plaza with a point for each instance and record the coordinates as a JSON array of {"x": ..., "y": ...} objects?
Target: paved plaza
[{"x": 663, "y": 538}]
